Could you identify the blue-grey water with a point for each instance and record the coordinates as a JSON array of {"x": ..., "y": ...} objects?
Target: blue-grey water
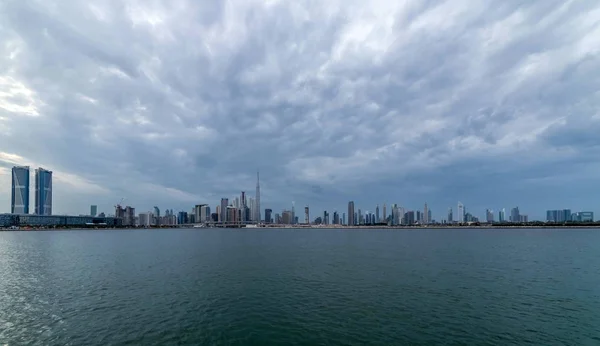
[{"x": 300, "y": 287}]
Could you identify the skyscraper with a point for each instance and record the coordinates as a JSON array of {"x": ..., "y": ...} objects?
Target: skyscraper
[
  {"x": 384, "y": 213},
  {"x": 426, "y": 214},
  {"x": 243, "y": 215},
  {"x": 43, "y": 192},
  {"x": 450, "y": 215},
  {"x": 515, "y": 215},
  {"x": 377, "y": 214},
  {"x": 489, "y": 216},
  {"x": 257, "y": 202},
  {"x": 460, "y": 213},
  {"x": 351, "y": 216},
  {"x": 268, "y": 213},
  {"x": 293, "y": 212},
  {"x": 224, "y": 205},
  {"x": 19, "y": 203},
  {"x": 93, "y": 210},
  {"x": 306, "y": 216}
]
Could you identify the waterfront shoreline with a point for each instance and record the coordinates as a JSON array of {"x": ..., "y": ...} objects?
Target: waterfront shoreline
[{"x": 285, "y": 227}]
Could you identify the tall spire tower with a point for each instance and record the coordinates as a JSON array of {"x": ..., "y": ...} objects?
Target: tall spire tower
[{"x": 257, "y": 202}]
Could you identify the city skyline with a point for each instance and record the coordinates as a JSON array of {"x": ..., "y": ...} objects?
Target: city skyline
[
  {"x": 248, "y": 208},
  {"x": 376, "y": 102},
  {"x": 244, "y": 209}
]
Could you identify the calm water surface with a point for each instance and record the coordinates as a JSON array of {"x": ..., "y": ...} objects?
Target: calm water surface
[{"x": 300, "y": 287}]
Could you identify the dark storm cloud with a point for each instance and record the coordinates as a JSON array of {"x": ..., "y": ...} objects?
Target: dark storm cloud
[{"x": 181, "y": 102}]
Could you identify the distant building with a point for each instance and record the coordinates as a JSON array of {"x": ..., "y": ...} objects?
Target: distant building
[
  {"x": 426, "y": 214},
  {"x": 558, "y": 215},
  {"x": 43, "y": 192},
  {"x": 268, "y": 215},
  {"x": 145, "y": 219},
  {"x": 129, "y": 217},
  {"x": 232, "y": 214},
  {"x": 224, "y": 205},
  {"x": 156, "y": 220},
  {"x": 93, "y": 210},
  {"x": 19, "y": 203},
  {"x": 306, "y": 215},
  {"x": 583, "y": 216},
  {"x": 450, "y": 215},
  {"x": 182, "y": 217},
  {"x": 24, "y": 220},
  {"x": 257, "y": 202},
  {"x": 351, "y": 215},
  {"x": 502, "y": 215},
  {"x": 489, "y": 215},
  {"x": 515, "y": 215},
  {"x": 286, "y": 217},
  {"x": 460, "y": 213},
  {"x": 409, "y": 217}
]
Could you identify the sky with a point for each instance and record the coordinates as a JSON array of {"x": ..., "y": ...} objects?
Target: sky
[{"x": 176, "y": 103}]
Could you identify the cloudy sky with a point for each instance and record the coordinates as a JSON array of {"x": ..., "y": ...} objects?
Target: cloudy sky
[{"x": 172, "y": 103}]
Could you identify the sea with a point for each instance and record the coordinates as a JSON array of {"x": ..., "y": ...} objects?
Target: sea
[{"x": 300, "y": 287}]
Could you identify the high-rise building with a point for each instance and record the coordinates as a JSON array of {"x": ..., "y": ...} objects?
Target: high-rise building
[
  {"x": 293, "y": 212},
  {"x": 257, "y": 202},
  {"x": 489, "y": 216},
  {"x": 252, "y": 207},
  {"x": 351, "y": 215},
  {"x": 502, "y": 215},
  {"x": 242, "y": 207},
  {"x": 145, "y": 219},
  {"x": 384, "y": 213},
  {"x": 449, "y": 215},
  {"x": 232, "y": 214},
  {"x": 286, "y": 217},
  {"x": 343, "y": 218},
  {"x": 268, "y": 213},
  {"x": 377, "y": 213},
  {"x": 426, "y": 214},
  {"x": 93, "y": 210},
  {"x": 306, "y": 215},
  {"x": 409, "y": 216},
  {"x": 43, "y": 192},
  {"x": 182, "y": 218},
  {"x": 224, "y": 205},
  {"x": 129, "y": 216},
  {"x": 515, "y": 215},
  {"x": 396, "y": 215},
  {"x": 336, "y": 218},
  {"x": 19, "y": 203},
  {"x": 460, "y": 213},
  {"x": 156, "y": 216},
  {"x": 561, "y": 215}
]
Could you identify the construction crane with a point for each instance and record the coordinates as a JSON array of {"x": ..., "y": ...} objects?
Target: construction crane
[{"x": 120, "y": 203}]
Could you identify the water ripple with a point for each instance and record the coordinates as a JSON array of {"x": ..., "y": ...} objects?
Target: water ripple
[{"x": 191, "y": 287}]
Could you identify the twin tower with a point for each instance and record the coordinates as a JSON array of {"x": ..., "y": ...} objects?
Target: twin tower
[{"x": 19, "y": 203}]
